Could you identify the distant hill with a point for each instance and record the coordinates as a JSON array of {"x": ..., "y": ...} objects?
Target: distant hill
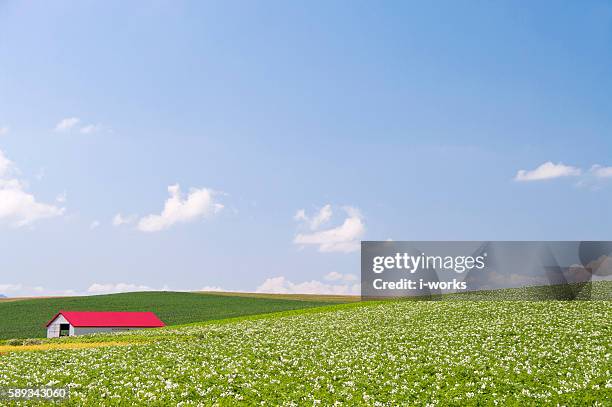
[
  {"x": 2, "y": 296},
  {"x": 27, "y": 318},
  {"x": 592, "y": 290}
]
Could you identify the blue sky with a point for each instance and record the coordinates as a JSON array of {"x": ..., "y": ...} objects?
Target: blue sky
[{"x": 410, "y": 120}]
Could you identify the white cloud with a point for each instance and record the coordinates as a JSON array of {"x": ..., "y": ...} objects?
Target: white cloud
[
  {"x": 343, "y": 238},
  {"x": 110, "y": 288},
  {"x": 548, "y": 170},
  {"x": 589, "y": 178},
  {"x": 119, "y": 219},
  {"x": 281, "y": 285},
  {"x": 6, "y": 165},
  {"x": 4, "y": 130},
  {"x": 40, "y": 174},
  {"x": 21, "y": 207},
  {"x": 10, "y": 288},
  {"x": 300, "y": 215},
  {"x": 17, "y": 206},
  {"x": 72, "y": 123},
  {"x": 335, "y": 276},
  {"x": 212, "y": 288},
  {"x": 61, "y": 198},
  {"x": 320, "y": 218},
  {"x": 98, "y": 288},
  {"x": 94, "y": 225},
  {"x": 601, "y": 172},
  {"x": 67, "y": 124},
  {"x": 22, "y": 290},
  {"x": 90, "y": 128},
  {"x": 199, "y": 203}
]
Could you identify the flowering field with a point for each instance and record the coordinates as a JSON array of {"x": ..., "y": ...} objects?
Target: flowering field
[{"x": 403, "y": 352}]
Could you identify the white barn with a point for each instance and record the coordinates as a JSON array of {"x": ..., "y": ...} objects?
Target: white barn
[{"x": 74, "y": 323}]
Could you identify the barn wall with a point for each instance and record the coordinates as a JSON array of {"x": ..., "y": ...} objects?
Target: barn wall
[
  {"x": 53, "y": 330},
  {"x": 87, "y": 331}
]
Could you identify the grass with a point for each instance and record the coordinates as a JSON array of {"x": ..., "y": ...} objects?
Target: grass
[
  {"x": 372, "y": 353},
  {"x": 297, "y": 297},
  {"x": 585, "y": 291},
  {"x": 27, "y": 318}
]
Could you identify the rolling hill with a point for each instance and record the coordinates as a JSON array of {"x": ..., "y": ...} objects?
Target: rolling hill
[
  {"x": 376, "y": 353},
  {"x": 26, "y": 318}
]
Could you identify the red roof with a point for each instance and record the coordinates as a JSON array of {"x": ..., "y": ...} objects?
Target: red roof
[{"x": 110, "y": 319}]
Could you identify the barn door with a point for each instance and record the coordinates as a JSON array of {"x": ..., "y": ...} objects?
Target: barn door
[{"x": 64, "y": 330}]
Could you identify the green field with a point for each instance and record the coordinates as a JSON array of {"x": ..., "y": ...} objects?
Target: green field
[
  {"x": 370, "y": 353},
  {"x": 27, "y": 318}
]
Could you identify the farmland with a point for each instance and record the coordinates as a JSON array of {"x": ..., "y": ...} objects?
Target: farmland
[
  {"x": 26, "y": 318},
  {"x": 372, "y": 353}
]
